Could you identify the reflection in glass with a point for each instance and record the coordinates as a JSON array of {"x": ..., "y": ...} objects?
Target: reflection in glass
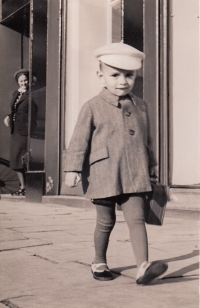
[
  {"x": 116, "y": 23},
  {"x": 133, "y": 35}
]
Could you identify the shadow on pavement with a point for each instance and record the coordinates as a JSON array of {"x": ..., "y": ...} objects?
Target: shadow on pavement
[
  {"x": 183, "y": 257},
  {"x": 179, "y": 274},
  {"x": 183, "y": 271},
  {"x": 165, "y": 280}
]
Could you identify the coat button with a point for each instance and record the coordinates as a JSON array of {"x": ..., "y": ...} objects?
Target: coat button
[
  {"x": 131, "y": 132},
  {"x": 127, "y": 113}
]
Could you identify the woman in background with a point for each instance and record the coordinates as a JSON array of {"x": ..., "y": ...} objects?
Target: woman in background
[{"x": 18, "y": 122}]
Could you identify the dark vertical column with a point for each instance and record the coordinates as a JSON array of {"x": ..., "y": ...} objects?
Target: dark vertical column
[
  {"x": 22, "y": 52},
  {"x": 164, "y": 90},
  {"x": 35, "y": 174},
  {"x": 133, "y": 23},
  {"x": 34, "y": 186},
  {"x": 156, "y": 78},
  {"x": 52, "y": 146},
  {"x": 151, "y": 67},
  {"x": 133, "y": 34}
]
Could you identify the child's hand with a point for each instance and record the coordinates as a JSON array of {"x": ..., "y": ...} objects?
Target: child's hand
[
  {"x": 154, "y": 174},
  {"x": 72, "y": 179}
]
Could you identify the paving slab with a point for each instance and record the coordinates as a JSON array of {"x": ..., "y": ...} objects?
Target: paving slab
[{"x": 52, "y": 269}]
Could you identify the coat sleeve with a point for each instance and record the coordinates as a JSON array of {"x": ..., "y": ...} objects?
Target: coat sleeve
[{"x": 80, "y": 142}]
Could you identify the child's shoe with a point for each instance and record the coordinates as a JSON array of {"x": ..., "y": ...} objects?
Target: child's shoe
[
  {"x": 101, "y": 272},
  {"x": 148, "y": 271}
]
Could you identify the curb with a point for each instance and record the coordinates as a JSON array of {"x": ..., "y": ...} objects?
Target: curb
[{"x": 173, "y": 209}]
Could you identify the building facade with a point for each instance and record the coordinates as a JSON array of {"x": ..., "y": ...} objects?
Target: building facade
[{"x": 56, "y": 39}]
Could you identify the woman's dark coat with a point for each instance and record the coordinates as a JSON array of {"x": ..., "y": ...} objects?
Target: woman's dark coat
[
  {"x": 21, "y": 119},
  {"x": 19, "y": 129}
]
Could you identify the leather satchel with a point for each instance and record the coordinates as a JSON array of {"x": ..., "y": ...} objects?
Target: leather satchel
[{"x": 155, "y": 204}]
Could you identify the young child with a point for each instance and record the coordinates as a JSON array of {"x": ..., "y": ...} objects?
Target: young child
[{"x": 110, "y": 151}]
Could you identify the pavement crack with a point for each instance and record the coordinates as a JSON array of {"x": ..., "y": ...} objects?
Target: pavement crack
[
  {"x": 17, "y": 239},
  {"x": 82, "y": 263},
  {"x": 13, "y": 229},
  {"x": 58, "y": 214},
  {"x": 18, "y": 248},
  {"x": 114, "y": 272},
  {"x": 73, "y": 234},
  {"x": 9, "y": 304},
  {"x": 43, "y": 231},
  {"x": 178, "y": 241},
  {"x": 46, "y": 259}
]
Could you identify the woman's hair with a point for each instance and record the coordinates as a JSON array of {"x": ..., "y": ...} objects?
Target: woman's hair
[{"x": 21, "y": 72}]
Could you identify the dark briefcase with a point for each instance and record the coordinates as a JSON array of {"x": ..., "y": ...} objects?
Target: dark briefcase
[{"x": 155, "y": 204}]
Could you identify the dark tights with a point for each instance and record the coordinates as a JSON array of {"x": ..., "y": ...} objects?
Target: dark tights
[{"x": 133, "y": 210}]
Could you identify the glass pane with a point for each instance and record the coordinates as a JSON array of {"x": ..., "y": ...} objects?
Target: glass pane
[
  {"x": 14, "y": 54},
  {"x": 133, "y": 35},
  {"x": 11, "y": 6},
  {"x": 116, "y": 22},
  {"x": 16, "y": 15}
]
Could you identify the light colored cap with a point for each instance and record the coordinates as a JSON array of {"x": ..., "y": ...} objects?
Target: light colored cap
[{"x": 121, "y": 56}]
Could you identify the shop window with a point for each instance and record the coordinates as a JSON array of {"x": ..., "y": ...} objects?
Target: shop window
[{"x": 24, "y": 32}]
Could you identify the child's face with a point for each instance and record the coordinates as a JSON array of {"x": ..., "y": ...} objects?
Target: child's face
[{"x": 118, "y": 81}]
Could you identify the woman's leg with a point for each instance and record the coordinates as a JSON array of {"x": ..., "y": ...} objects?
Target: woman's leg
[
  {"x": 133, "y": 211},
  {"x": 20, "y": 175},
  {"x": 106, "y": 218}
]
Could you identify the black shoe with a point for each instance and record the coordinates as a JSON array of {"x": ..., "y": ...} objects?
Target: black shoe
[
  {"x": 19, "y": 192},
  {"x": 101, "y": 272},
  {"x": 154, "y": 270}
]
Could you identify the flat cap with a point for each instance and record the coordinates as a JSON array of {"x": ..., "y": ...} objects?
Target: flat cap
[
  {"x": 21, "y": 71},
  {"x": 120, "y": 55}
]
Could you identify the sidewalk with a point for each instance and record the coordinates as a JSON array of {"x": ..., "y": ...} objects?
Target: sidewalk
[{"x": 46, "y": 251}]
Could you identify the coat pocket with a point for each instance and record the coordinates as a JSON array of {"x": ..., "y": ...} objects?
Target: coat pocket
[{"x": 98, "y": 155}]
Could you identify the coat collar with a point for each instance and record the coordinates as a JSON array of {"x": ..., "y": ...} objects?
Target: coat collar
[
  {"x": 15, "y": 94},
  {"x": 114, "y": 99},
  {"x": 24, "y": 94}
]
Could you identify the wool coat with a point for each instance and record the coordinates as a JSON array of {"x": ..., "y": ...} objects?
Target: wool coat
[
  {"x": 19, "y": 128},
  {"x": 111, "y": 146},
  {"x": 21, "y": 118}
]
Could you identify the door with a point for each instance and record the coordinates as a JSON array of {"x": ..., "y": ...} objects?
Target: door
[{"x": 91, "y": 24}]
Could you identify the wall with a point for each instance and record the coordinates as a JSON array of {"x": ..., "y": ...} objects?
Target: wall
[
  {"x": 87, "y": 25},
  {"x": 184, "y": 93}
]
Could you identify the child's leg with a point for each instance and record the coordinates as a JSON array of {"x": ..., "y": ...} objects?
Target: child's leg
[
  {"x": 106, "y": 218},
  {"x": 133, "y": 211}
]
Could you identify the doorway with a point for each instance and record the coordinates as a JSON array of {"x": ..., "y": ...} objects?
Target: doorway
[{"x": 91, "y": 24}]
